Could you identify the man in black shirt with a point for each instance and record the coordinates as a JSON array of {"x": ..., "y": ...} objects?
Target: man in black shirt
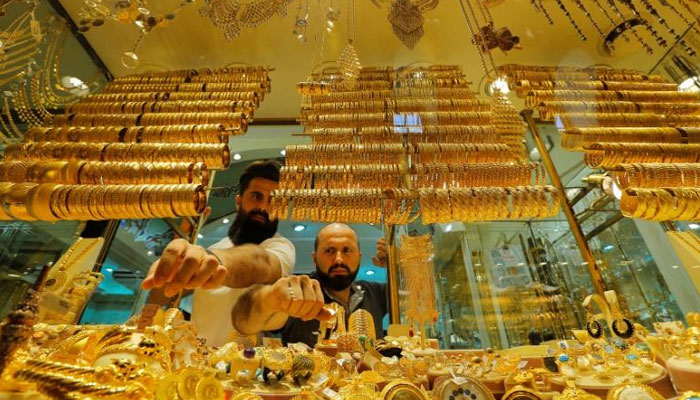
[{"x": 294, "y": 304}]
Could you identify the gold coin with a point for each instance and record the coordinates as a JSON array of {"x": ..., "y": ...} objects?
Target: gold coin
[
  {"x": 166, "y": 389},
  {"x": 187, "y": 383},
  {"x": 209, "y": 389}
]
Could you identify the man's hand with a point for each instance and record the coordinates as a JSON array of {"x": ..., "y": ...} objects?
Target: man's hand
[
  {"x": 381, "y": 258},
  {"x": 297, "y": 296},
  {"x": 184, "y": 266}
]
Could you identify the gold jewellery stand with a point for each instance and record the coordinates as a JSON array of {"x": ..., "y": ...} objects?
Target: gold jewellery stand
[
  {"x": 390, "y": 145},
  {"x": 627, "y": 122}
]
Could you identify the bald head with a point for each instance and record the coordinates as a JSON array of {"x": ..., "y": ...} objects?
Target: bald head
[
  {"x": 337, "y": 256},
  {"x": 336, "y": 229}
]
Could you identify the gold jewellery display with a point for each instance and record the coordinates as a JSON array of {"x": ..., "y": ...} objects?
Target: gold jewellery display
[
  {"x": 143, "y": 148},
  {"x": 418, "y": 280},
  {"x": 407, "y": 136},
  {"x": 641, "y": 128}
]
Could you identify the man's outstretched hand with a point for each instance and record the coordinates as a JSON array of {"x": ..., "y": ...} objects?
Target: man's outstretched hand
[
  {"x": 297, "y": 296},
  {"x": 184, "y": 266}
]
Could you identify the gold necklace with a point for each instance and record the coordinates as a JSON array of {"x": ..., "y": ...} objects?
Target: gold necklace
[{"x": 58, "y": 277}]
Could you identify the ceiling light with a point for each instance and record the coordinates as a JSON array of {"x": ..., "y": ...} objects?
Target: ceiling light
[
  {"x": 369, "y": 272},
  {"x": 693, "y": 226},
  {"x": 150, "y": 253},
  {"x": 75, "y": 85},
  {"x": 237, "y": 156},
  {"x": 200, "y": 236},
  {"x": 500, "y": 84},
  {"x": 109, "y": 269},
  {"x": 225, "y": 221},
  {"x": 608, "y": 247},
  {"x": 299, "y": 227},
  {"x": 283, "y": 152},
  {"x": 689, "y": 85},
  {"x": 675, "y": 267}
]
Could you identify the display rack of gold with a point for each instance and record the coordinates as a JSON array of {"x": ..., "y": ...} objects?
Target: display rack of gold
[
  {"x": 144, "y": 148},
  {"x": 396, "y": 137},
  {"x": 642, "y": 129}
]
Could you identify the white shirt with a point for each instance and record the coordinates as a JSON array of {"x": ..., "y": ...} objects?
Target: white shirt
[{"x": 211, "y": 309}]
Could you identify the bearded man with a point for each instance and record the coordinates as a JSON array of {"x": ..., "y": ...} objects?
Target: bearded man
[
  {"x": 253, "y": 253},
  {"x": 294, "y": 305}
]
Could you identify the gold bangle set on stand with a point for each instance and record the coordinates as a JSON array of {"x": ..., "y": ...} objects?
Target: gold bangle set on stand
[
  {"x": 362, "y": 176},
  {"x": 104, "y": 173},
  {"x": 577, "y": 139},
  {"x": 235, "y": 122},
  {"x": 143, "y": 148},
  {"x": 640, "y": 128},
  {"x": 206, "y": 133},
  {"x": 215, "y": 156},
  {"x": 400, "y": 132}
]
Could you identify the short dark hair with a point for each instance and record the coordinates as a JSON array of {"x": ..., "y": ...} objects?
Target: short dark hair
[
  {"x": 268, "y": 169},
  {"x": 319, "y": 234}
]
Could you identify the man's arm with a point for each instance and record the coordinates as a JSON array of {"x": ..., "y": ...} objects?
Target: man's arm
[
  {"x": 267, "y": 307},
  {"x": 248, "y": 264},
  {"x": 186, "y": 266}
]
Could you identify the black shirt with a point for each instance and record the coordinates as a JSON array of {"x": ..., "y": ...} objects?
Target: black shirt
[{"x": 370, "y": 296}]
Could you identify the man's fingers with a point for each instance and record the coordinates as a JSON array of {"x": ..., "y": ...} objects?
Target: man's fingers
[
  {"x": 149, "y": 282},
  {"x": 281, "y": 294},
  {"x": 296, "y": 297},
  {"x": 169, "y": 261},
  {"x": 308, "y": 307},
  {"x": 217, "y": 279},
  {"x": 207, "y": 269},
  {"x": 324, "y": 314},
  {"x": 318, "y": 300},
  {"x": 190, "y": 265}
]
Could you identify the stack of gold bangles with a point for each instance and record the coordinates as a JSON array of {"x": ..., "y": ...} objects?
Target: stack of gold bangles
[
  {"x": 329, "y": 205},
  {"x": 235, "y": 121},
  {"x": 344, "y": 154},
  {"x": 206, "y": 133},
  {"x": 382, "y": 176},
  {"x": 642, "y": 129},
  {"x": 474, "y": 175},
  {"x": 103, "y": 173},
  {"x": 142, "y": 149},
  {"x": 487, "y": 204},
  {"x": 53, "y": 202},
  {"x": 663, "y": 204},
  {"x": 215, "y": 156},
  {"x": 653, "y": 175}
]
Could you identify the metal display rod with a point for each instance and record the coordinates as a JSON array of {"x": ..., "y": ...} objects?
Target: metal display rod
[{"x": 576, "y": 231}]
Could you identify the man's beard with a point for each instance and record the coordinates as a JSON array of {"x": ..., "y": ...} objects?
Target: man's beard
[
  {"x": 336, "y": 282},
  {"x": 246, "y": 230}
]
